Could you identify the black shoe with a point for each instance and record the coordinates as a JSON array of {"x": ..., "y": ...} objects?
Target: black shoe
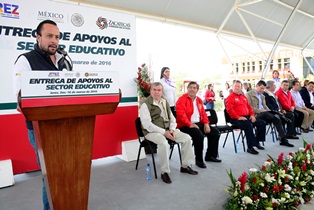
[
  {"x": 310, "y": 130},
  {"x": 252, "y": 151},
  {"x": 286, "y": 143},
  {"x": 291, "y": 137},
  {"x": 166, "y": 178},
  {"x": 212, "y": 159},
  {"x": 260, "y": 147},
  {"x": 304, "y": 130},
  {"x": 200, "y": 164},
  {"x": 298, "y": 133},
  {"x": 188, "y": 170}
]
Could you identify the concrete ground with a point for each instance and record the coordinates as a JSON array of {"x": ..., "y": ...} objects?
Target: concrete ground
[{"x": 116, "y": 185}]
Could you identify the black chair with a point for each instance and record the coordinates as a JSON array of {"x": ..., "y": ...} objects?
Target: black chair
[
  {"x": 235, "y": 127},
  {"x": 272, "y": 129},
  {"x": 213, "y": 119},
  {"x": 150, "y": 146}
]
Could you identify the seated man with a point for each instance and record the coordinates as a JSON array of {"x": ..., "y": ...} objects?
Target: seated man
[
  {"x": 307, "y": 96},
  {"x": 257, "y": 101},
  {"x": 274, "y": 105},
  {"x": 159, "y": 125},
  {"x": 300, "y": 106},
  {"x": 242, "y": 114},
  {"x": 192, "y": 119},
  {"x": 287, "y": 103}
]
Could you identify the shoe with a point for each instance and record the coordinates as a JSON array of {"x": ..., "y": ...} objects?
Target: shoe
[
  {"x": 309, "y": 130},
  {"x": 304, "y": 130},
  {"x": 291, "y": 137},
  {"x": 298, "y": 133},
  {"x": 286, "y": 143},
  {"x": 166, "y": 178},
  {"x": 260, "y": 147},
  {"x": 200, "y": 164},
  {"x": 212, "y": 159},
  {"x": 188, "y": 170},
  {"x": 252, "y": 151}
]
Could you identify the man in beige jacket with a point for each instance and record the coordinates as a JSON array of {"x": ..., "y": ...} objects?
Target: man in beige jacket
[{"x": 257, "y": 100}]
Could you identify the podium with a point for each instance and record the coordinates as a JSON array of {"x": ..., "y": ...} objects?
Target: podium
[{"x": 64, "y": 131}]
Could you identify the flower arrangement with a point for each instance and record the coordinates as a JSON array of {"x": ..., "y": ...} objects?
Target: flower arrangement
[
  {"x": 284, "y": 183},
  {"x": 143, "y": 81}
]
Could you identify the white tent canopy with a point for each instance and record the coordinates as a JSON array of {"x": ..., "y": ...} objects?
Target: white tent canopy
[{"x": 284, "y": 22}]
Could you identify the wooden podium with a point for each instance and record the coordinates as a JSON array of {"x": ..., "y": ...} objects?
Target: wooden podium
[{"x": 64, "y": 131}]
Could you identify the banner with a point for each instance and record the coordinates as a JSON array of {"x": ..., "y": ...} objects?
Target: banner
[{"x": 95, "y": 39}]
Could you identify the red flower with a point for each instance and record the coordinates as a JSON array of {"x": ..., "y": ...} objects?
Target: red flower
[
  {"x": 274, "y": 204},
  {"x": 287, "y": 179},
  {"x": 254, "y": 179},
  {"x": 291, "y": 154},
  {"x": 297, "y": 203},
  {"x": 280, "y": 158},
  {"x": 255, "y": 197},
  {"x": 275, "y": 176},
  {"x": 295, "y": 163},
  {"x": 264, "y": 168},
  {"x": 297, "y": 189},
  {"x": 285, "y": 168},
  {"x": 276, "y": 189},
  {"x": 281, "y": 187},
  {"x": 308, "y": 146},
  {"x": 311, "y": 163},
  {"x": 304, "y": 167},
  {"x": 266, "y": 189},
  {"x": 143, "y": 65},
  {"x": 269, "y": 160},
  {"x": 308, "y": 199},
  {"x": 242, "y": 180}
]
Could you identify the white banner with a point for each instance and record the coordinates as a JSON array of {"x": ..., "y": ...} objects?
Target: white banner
[
  {"x": 56, "y": 83},
  {"x": 95, "y": 39}
]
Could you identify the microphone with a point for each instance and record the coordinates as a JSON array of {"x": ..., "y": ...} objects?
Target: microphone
[
  {"x": 62, "y": 51},
  {"x": 65, "y": 63}
]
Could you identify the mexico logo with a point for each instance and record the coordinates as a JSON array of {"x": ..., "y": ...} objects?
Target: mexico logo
[
  {"x": 102, "y": 23},
  {"x": 77, "y": 19}
]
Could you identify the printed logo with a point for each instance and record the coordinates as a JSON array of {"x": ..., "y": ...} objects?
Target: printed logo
[
  {"x": 9, "y": 10},
  {"x": 44, "y": 15},
  {"x": 53, "y": 74},
  {"x": 102, "y": 23},
  {"x": 77, "y": 19}
]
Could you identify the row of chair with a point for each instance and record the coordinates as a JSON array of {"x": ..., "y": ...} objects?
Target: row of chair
[{"x": 212, "y": 116}]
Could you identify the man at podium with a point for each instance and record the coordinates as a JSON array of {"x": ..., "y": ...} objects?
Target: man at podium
[{"x": 44, "y": 57}]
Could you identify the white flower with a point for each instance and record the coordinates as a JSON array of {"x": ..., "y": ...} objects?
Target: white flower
[
  {"x": 246, "y": 186},
  {"x": 263, "y": 195},
  {"x": 287, "y": 187},
  {"x": 289, "y": 176},
  {"x": 269, "y": 178},
  {"x": 274, "y": 200},
  {"x": 282, "y": 200},
  {"x": 311, "y": 172},
  {"x": 290, "y": 166},
  {"x": 267, "y": 163},
  {"x": 235, "y": 193},
  {"x": 247, "y": 200},
  {"x": 281, "y": 173},
  {"x": 253, "y": 170},
  {"x": 289, "y": 158},
  {"x": 262, "y": 184},
  {"x": 287, "y": 195},
  {"x": 302, "y": 183},
  {"x": 301, "y": 149},
  {"x": 269, "y": 208},
  {"x": 308, "y": 156},
  {"x": 301, "y": 200}
]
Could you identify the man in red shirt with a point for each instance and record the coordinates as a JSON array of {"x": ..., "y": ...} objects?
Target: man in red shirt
[
  {"x": 192, "y": 119},
  {"x": 287, "y": 103},
  {"x": 242, "y": 114}
]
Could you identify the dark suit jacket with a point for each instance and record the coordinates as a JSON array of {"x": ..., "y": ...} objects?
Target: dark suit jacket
[
  {"x": 306, "y": 97},
  {"x": 271, "y": 102}
]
